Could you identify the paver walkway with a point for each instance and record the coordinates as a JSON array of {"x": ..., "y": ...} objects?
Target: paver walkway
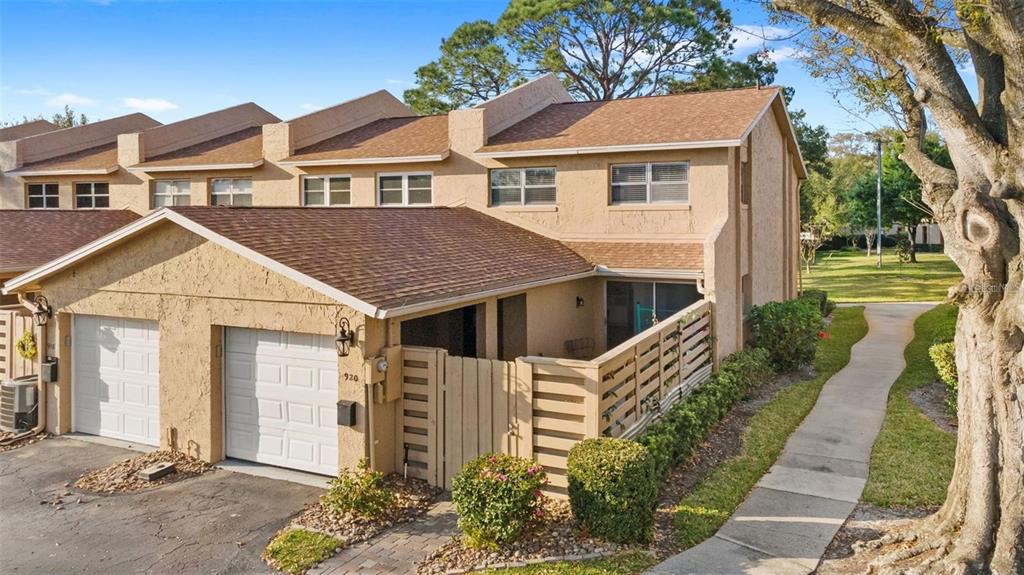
[
  {"x": 795, "y": 510},
  {"x": 398, "y": 549}
]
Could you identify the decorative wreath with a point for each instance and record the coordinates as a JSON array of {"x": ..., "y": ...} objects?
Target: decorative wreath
[{"x": 26, "y": 346}]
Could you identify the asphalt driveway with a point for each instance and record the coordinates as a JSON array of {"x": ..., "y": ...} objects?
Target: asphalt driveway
[{"x": 215, "y": 523}]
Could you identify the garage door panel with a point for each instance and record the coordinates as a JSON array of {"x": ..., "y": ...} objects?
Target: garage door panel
[
  {"x": 292, "y": 380},
  {"x": 116, "y": 378}
]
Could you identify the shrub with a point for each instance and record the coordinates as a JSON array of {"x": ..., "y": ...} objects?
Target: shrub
[
  {"x": 683, "y": 426},
  {"x": 495, "y": 495},
  {"x": 359, "y": 492},
  {"x": 820, "y": 299},
  {"x": 944, "y": 357},
  {"x": 789, "y": 330},
  {"x": 613, "y": 488}
]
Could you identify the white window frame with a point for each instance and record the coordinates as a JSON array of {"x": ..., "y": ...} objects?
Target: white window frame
[
  {"x": 327, "y": 190},
  {"x": 405, "y": 188},
  {"x": 45, "y": 196},
  {"x": 175, "y": 193},
  {"x": 232, "y": 193},
  {"x": 523, "y": 186},
  {"x": 91, "y": 195},
  {"x": 649, "y": 166}
]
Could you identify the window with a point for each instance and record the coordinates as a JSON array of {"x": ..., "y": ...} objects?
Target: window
[
  {"x": 651, "y": 183},
  {"x": 522, "y": 186},
  {"x": 92, "y": 195},
  {"x": 405, "y": 189},
  {"x": 172, "y": 193},
  {"x": 326, "y": 190},
  {"x": 43, "y": 196},
  {"x": 232, "y": 192}
]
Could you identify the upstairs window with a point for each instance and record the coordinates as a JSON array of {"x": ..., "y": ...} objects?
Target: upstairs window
[
  {"x": 232, "y": 192},
  {"x": 326, "y": 190},
  {"x": 651, "y": 183},
  {"x": 92, "y": 195},
  {"x": 43, "y": 196},
  {"x": 172, "y": 193},
  {"x": 522, "y": 186},
  {"x": 413, "y": 189}
]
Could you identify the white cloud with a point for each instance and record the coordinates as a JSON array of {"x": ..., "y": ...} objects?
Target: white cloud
[
  {"x": 398, "y": 82},
  {"x": 67, "y": 99},
  {"x": 149, "y": 104},
  {"x": 752, "y": 37},
  {"x": 784, "y": 53},
  {"x": 33, "y": 92}
]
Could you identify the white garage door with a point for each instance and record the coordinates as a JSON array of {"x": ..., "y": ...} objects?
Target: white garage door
[
  {"x": 280, "y": 397},
  {"x": 116, "y": 378}
]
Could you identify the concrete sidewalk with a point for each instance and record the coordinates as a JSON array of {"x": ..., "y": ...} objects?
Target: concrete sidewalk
[{"x": 795, "y": 510}]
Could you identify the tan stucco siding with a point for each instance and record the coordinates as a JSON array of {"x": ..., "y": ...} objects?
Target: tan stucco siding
[
  {"x": 193, "y": 288},
  {"x": 767, "y": 225},
  {"x": 552, "y": 317}
]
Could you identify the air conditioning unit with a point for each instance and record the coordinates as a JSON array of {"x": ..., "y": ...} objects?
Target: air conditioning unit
[{"x": 18, "y": 403}]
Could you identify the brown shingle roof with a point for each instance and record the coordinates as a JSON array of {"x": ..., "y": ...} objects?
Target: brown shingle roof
[
  {"x": 642, "y": 255},
  {"x": 241, "y": 147},
  {"x": 25, "y": 130},
  {"x": 394, "y": 257},
  {"x": 102, "y": 157},
  {"x": 30, "y": 238},
  {"x": 386, "y": 138},
  {"x": 681, "y": 118}
]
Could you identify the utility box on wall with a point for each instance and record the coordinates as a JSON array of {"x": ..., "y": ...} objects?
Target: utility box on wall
[
  {"x": 51, "y": 370},
  {"x": 347, "y": 413}
]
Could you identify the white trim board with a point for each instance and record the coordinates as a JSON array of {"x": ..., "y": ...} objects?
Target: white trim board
[
  {"x": 197, "y": 167},
  {"x": 67, "y": 172},
  {"x": 358, "y": 161},
  {"x": 610, "y": 149}
]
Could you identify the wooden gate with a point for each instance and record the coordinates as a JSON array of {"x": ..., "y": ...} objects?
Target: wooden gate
[
  {"x": 457, "y": 408},
  {"x": 14, "y": 321}
]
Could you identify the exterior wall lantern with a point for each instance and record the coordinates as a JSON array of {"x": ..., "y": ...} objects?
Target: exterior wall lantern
[
  {"x": 43, "y": 311},
  {"x": 345, "y": 337},
  {"x": 579, "y": 301}
]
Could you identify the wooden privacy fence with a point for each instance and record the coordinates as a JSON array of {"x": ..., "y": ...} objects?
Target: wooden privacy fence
[
  {"x": 14, "y": 320},
  {"x": 456, "y": 408}
]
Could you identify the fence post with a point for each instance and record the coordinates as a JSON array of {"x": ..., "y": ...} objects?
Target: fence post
[{"x": 524, "y": 409}]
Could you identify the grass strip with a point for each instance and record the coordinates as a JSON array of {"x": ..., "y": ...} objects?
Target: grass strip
[
  {"x": 912, "y": 460},
  {"x": 700, "y": 514},
  {"x": 296, "y": 550}
]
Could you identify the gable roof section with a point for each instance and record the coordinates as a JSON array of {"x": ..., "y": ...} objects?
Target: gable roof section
[
  {"x": 620, "y": 256},
  {"x": 700, "y": 119},
  {"x": 388, "y": 140},
  {"x": 31, "y": 238},
  {"x": 99, "y": 160},
  {"x": 25, "y": 130},
  {"x": 380, "y": 261},
  {"x": 241, "y": 149}
]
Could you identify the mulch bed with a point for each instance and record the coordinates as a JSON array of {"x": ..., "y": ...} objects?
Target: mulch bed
[
  {"x": 121, "y": 477},
  {"x": 554, "y": 535},
  {"x": 931, "y": 401},
  {"x": 413, "y": 497},
  {"x": 27, "y": 440},
  {"x": 723, "y": 442},
  {"x": 866, "y": 523}
]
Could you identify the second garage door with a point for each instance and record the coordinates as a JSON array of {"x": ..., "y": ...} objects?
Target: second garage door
[{"x": 281, "y": 392}]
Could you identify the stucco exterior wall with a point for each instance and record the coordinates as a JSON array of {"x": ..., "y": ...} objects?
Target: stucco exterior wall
[
  {"x": 193, "y": 288},
  {"x": 768, "y": 227}
]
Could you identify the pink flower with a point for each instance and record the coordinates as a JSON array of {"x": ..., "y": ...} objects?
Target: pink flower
[
  {"x": 538, "y": 494},
  {"x": 538, "y": 512},
  {"x": 502, "y": 477}
]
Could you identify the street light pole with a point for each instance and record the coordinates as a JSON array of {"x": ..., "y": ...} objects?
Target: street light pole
[{"x": 878, "y": 201}]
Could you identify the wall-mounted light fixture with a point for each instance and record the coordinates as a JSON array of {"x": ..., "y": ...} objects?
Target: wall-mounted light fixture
[
  {"x": 43, "y": 311},
  {"x": 345, "y": 337},
  {"x": 579, "y": 301}
]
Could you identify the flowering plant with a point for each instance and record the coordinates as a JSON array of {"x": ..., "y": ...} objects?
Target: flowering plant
[{"x": 495, "y": 495}]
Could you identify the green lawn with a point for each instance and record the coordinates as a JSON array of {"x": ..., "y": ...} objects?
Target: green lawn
[
  {"x": 912, "y": 460},
  {"x": 851, "y": 276},
  {"x": 621, "y": 564},
  {"x": 296, "y": 550},
  {"x": 715, "y": 498}
]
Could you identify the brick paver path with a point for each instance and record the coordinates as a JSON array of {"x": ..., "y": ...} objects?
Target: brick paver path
[{"x": 398, "y": 549}]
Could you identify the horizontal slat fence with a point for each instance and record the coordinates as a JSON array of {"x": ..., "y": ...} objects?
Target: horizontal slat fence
[{"x": 456, "y": 408}]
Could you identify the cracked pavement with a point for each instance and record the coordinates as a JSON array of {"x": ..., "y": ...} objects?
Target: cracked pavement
[{"x": 215, "y": 523}]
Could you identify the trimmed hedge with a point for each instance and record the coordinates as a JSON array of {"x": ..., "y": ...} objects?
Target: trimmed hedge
[
  {"x": 613, "y": 488},
  {"x": 359, "y": 492},
  {"x": 683, "y": 426},
  {"x": 495, "y": 495},
  {"x": 820, "y": 298},
  {"x": 789, "y": 330},
  {"x": 944, "y": 357}
]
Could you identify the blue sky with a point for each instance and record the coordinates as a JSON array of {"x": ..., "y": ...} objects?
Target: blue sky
[{"x": 173, "y": 60}]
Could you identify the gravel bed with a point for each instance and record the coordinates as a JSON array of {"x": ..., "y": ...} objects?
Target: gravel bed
[
  {"x": 27, "y": 440},
  {"x": 413, "y": 497},
  {"x": 121, "y": 477},
  {"x": 553, "y": 537}
]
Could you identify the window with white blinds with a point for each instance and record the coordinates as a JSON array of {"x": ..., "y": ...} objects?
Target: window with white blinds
[
  {"x": 522, "y": 186},
  {"x": 651, "y": 183},
  {"x": 172, "y": 193}
]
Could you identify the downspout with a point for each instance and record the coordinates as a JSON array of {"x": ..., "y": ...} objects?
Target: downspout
[{"x": 40, "y": 385}]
